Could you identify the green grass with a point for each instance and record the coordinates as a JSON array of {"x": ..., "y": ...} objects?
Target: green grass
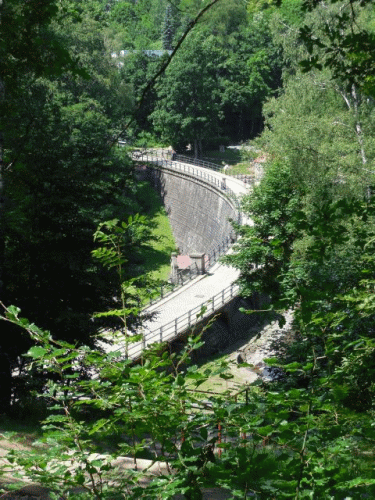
[
  {"x": 230, "y": 156},
  {"x": 241, "y": 168},
  {"x": 157, "y": 255},
  {"x": 233, "y": 158},
  {"x": 158, "y": 258}
]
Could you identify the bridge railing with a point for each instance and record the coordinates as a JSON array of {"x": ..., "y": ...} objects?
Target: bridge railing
[
  {"x": 189, "y": 273},
  {"x": 158, "y": 158},
  {"x": 245, "y": 178},
  {"x": 217, "y": 252},
  {"x": 181, "y": 324},
  {"x": 198, "y": 162},
  {"x": 166, "y": 288}
]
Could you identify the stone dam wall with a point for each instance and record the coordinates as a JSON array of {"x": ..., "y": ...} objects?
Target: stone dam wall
[{"x": 199, "y": 213}]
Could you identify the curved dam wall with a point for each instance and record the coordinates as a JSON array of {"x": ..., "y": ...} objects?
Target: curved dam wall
[{"x": 199, "y": 212}]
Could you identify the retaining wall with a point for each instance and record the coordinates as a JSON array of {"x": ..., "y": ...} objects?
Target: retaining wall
[{"x": 199, "y": 213}]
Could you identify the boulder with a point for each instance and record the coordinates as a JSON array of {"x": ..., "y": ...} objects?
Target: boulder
[{"x": 30, "y": 492}]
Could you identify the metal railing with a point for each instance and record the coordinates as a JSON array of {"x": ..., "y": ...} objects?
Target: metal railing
[
  {"x": 199, "y": 162},
  {"x": 159, "y": 159},
  {"x": 168, "y": 287},
  {"x": 167, "y": 154},
  {"x": 164, "y": 160},
  {"x": 220, "y": 168},
  {"x": 189, "y": 273},
  {"x": 220, "y": 250},
  {"x": 181, "y": 324},
  {"x": 245, "y": 178}
]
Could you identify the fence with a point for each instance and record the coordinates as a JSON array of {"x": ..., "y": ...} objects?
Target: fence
[
  {"x": 181, "y": 324},
  {"x": 167, "y": 288},
  {"x": 220, "y": 250},
  {"x": 189, "y": 273},
  {"x": 245, "y": 178},
  {"x": 163, "y": 159},
  {"x": 159, "y": 159},
  {"x": 198, "y": 162}
]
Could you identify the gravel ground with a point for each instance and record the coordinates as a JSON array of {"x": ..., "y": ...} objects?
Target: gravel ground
[{"x": 262, "y": 345}]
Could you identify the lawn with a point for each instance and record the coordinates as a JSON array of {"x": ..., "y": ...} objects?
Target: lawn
[
  {"x": 239, "y": 162},
  {"x": 157, "y": 255},
  {"x": 229, "y": 156}
]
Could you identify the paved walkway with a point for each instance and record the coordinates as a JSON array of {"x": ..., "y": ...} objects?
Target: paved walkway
[{"x": 186, "y": 302}]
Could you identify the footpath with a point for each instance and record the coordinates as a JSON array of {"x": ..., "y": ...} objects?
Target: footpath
[{"x": 186, "y": 302}]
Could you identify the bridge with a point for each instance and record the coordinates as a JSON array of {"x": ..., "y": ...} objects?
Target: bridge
[{"x": 208, "y": 285}]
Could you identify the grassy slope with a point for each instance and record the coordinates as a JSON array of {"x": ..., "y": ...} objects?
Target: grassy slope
[
  {"x": 232, "y": 157},
  {"x": 158, "y": 256}
]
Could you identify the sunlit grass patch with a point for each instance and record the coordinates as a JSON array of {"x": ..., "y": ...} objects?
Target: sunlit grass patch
[{"x": 156, "y": 256}]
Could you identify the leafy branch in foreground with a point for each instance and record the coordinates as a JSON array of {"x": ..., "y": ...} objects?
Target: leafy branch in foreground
[
  {"x": 102, "y": 423},
  {"x": 295, "y": 438},
  {"x": 119, "y": 239}
]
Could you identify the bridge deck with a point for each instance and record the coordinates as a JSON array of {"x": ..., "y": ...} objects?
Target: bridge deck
[{"x": 175, "y": 313}]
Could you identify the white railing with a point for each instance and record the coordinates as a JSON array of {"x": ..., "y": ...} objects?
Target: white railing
[
  {"x": 159, "y": 159},
  {"x": 162, "y": 159},
  {"x": 179, "y": 325}
]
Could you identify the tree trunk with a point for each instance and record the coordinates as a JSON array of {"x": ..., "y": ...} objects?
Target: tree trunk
[{"x": 352, "y": 102}]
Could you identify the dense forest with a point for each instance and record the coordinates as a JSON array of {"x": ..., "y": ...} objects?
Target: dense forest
[{"x": 296, "y": 78}]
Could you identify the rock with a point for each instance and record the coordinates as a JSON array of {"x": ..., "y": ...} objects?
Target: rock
[
  {"x": 241, "y": 358},
  {"x": 31, "y": 492}
]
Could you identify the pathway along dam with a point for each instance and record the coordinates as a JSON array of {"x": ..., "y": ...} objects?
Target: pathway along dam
[
  {"x": 199, "y": 211},
  {"x": 199, "y": 201}
]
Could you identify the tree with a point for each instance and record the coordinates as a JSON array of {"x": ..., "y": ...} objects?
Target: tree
[
  {"x": 343, "y": 43},
  {"x": 325, "y": 132},
  {"x": 60, "y": 178},
  {"x": 168, "y": 29},
  {"x": 188, "y": 109},
  {"x": 239, "y": 64},
  {"x": 27, "y": 47},
  {"x": 250, "y": 73},
  {"x": 138, "y": 68},
  {"x": 313, "y": 236},
  {"x": 264, "y": 250}
]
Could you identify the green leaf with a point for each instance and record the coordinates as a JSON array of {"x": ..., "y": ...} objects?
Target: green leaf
[{"x": 37, "y": 352}]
